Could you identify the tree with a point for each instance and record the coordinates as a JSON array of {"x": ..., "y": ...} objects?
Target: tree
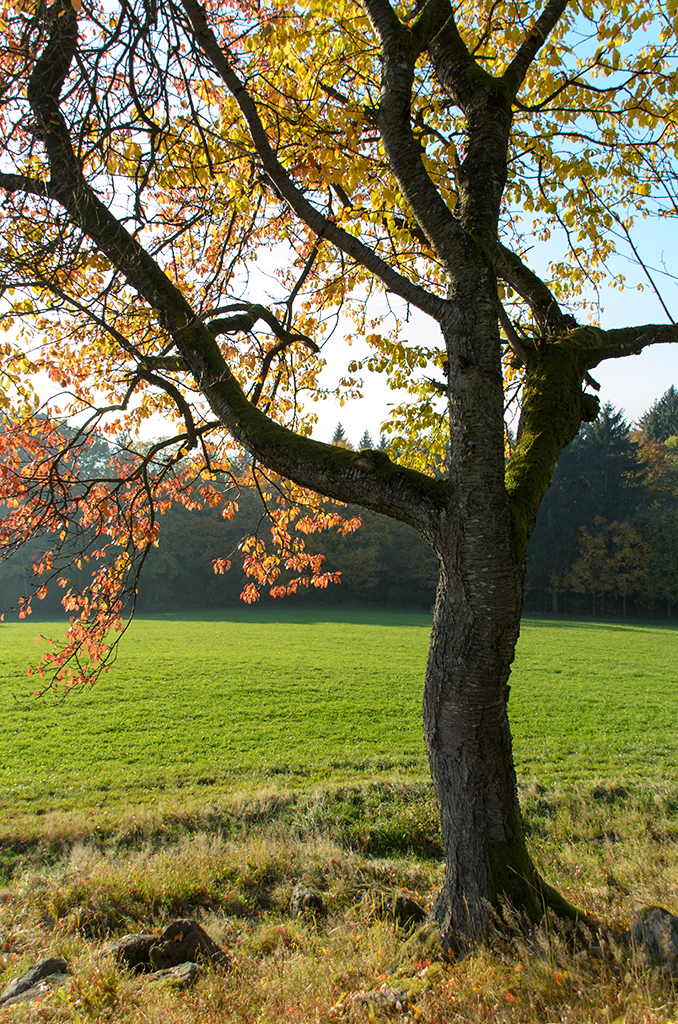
[
  {"x": 601, "y": 474},
  {"x": 613, "y": 559},
  {"x": 151, "y": 150},
  {"x": 661, "y": 421},
  {"x": 611, "y": 465},
  {"x": 660, "y": 526},
  {"x": 658, "y": 519}
]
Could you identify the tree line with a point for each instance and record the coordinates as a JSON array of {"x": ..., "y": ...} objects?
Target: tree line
[
  {"x": 605, "y": 541},
  {"x": 384, "y": 564}
]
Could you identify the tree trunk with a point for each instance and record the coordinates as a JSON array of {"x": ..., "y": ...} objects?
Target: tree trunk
[
  {"x": 481, "y": 545},
  {"x": 475, "y": 629},
  {"x": 469, "y": 747},
  {"x": 555, "y": 610}
]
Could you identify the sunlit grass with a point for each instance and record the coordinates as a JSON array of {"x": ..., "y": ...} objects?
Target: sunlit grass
[
  {"x": 223, "y": 761},
  {"x": 606, "y": 853},
  {"x": 196, "y": 708},
  {"x": 595, "y": 701}
]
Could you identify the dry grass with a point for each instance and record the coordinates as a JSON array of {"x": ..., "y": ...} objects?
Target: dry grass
[{"x": 609, "y": 850}]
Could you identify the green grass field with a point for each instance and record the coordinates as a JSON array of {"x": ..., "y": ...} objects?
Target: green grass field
[
  {"x": 224, "y": 760},
  {"x": 197, "y": 707}
]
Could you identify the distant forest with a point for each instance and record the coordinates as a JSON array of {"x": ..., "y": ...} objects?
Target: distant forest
[{"x": 605, "y": 541}]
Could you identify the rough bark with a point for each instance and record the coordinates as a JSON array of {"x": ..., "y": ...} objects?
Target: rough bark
[{"x": 480, "y": 545}]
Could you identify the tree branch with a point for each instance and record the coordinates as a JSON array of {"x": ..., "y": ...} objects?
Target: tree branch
[
  {"x": 246, "y": 321},
  {"x": 429, "y": 22},
  {"x": 270, "y": 356},
  {"x": 182, "y": 405},
  {"x": 400, "y": 493},
  {"x": 459, "y": 74},
  {"x": 436, "y": 307},
  {"x": 540, "y": 298},
  {"x": 169, "y": 363},
  {"x": 20, "y": 183},
  {"x": 485, "y": 101},
  {"x": 512, "y": 336},
  {"x": 395, "y": 125},
  {"x": 514, "y": 76},
  {"x": 630, "y": 341}
]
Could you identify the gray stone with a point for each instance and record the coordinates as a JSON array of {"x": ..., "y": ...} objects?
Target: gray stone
[
  {"x": 184, "y": 940},
  {"x": 180, "y": 977},
  {"x": 654, "y": 931},
  {"x": 132, "y": 951},
  {"x": 306, "y": 900},
  {"x": 42, "y": 987},
  {"x": 389, "y": 1000},
  {"x": 51, "y": 970}
]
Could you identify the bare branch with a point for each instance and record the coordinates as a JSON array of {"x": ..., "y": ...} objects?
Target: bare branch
[
  {"x": 299, "y": 283},
  {"x": 540, "y": 298},
  {"x": 270, "y": 356},
  {"x": 182, "y": 405},
  {"x": 512, "y": 336},
  {"x": 630, "y": 341}
]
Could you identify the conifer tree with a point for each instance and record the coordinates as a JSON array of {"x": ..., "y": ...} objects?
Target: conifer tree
[{"x": 661, "y": 421}]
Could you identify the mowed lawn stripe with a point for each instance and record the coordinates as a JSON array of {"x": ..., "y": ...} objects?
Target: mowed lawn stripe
[{"x": 240, "y": 698}]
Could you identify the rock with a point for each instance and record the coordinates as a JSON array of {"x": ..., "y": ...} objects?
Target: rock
[
  {"x": 35, "y": 991},
  {"x": 50, "y": 971},
  {"x": 389, "y": 1000},
  {"x": 184, "y": 940},
  {"x": 654, "y": 931},
  {"x": 306, "y": 900},
  {"x": 132, "y": 951},
  {"x": 400, "y": 908},
  {"x": 180, "y": 977}
]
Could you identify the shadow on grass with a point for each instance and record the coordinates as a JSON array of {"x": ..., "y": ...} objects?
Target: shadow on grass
[{"x": 375, "y": 819}]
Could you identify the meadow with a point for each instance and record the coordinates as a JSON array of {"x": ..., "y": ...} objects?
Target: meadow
[
  {"x": 197, "y": 707},
  {"x": 225, "y": 759}
]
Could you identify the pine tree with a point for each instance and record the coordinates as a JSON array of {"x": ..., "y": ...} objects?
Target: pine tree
[
  {"x": 366, "y": 441},
  {"x": 661, "y": 420},
  {"x": 600, "y": 473},
  {"x": 610, "y": 466}
]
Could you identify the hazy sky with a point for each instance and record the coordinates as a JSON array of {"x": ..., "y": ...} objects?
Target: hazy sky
[{"x": 631, "y": 384}]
